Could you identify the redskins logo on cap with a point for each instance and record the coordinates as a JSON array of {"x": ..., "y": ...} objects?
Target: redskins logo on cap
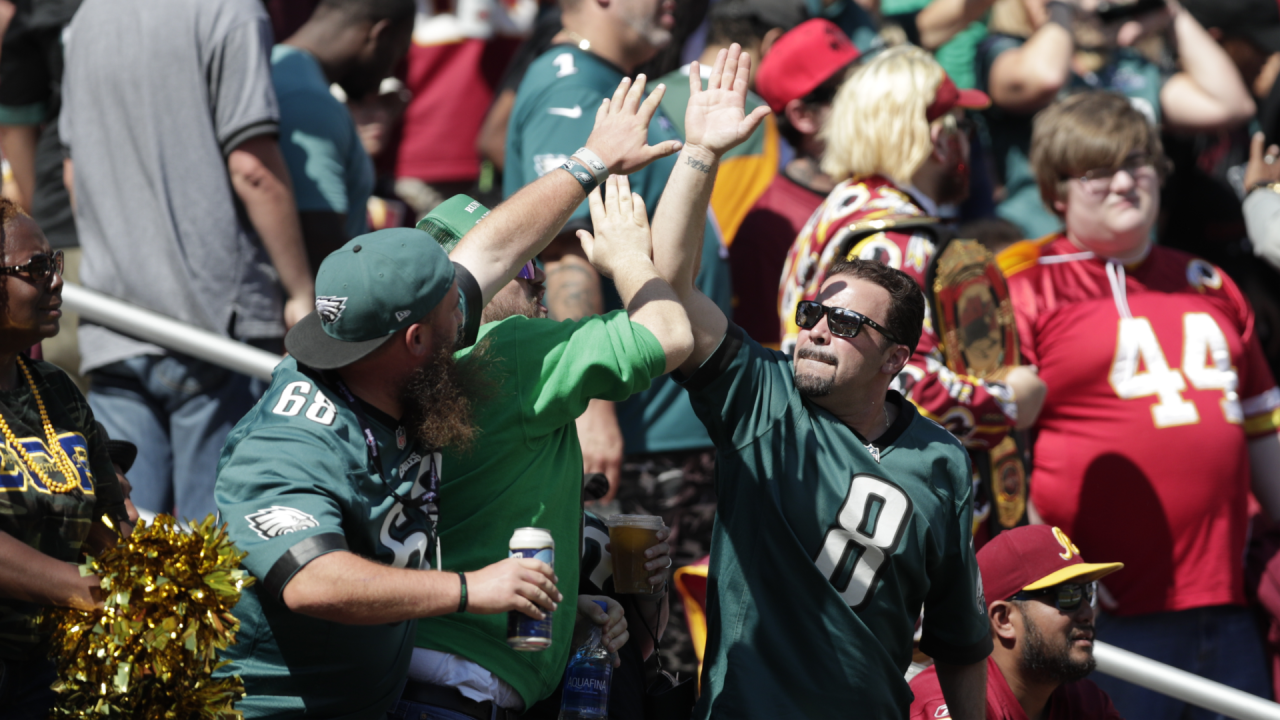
[
  {"x": 1069, "y": 548},
  {"x": 330, "y": 307}
]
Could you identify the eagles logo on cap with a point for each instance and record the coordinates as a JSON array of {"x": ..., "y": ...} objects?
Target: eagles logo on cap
[{"x": 330, "y": 308}]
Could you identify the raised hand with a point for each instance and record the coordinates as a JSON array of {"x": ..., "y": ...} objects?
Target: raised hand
[
  {"x": 716, "y": 118},
  {"x": 621, "y": 133},
  {"x": 621, "y": 228},
  {"x": 522, "y": 584}
]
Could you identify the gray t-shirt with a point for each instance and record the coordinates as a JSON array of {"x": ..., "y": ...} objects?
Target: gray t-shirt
[{"x": 155, "y": 96}]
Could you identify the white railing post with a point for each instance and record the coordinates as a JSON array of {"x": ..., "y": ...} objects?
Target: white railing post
[
  {"x": 166, "y": 332},
  {"x": 1181, "y": 684}
]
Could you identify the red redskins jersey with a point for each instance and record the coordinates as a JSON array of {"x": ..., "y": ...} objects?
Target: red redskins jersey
[
  {"x": 1079, "y": 700},
  {"x": 976, "y": 411},
  {"x": 1156, "y": 384}
]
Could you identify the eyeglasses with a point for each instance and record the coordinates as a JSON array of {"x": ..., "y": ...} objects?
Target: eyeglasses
[
  {"x": 39, "y": 267},
  {"x": 1066, "y": 597},
  {"x": 1098, "y": 180},
  {"x": 528, "y": 272},
  {"x": 843, "y": 323}
]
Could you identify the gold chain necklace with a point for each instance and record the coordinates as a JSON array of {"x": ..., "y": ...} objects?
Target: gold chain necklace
[{"x": 71, "y": 478}]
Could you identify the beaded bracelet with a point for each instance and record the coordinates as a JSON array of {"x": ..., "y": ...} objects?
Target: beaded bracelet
[
  {"x": 593, "y": 162},
  {"x": 581, "y": 174}
]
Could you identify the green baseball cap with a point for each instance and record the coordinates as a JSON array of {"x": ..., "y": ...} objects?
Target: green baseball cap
[
  {"x": 452, "y": 219},
  {"x": 366, "y": 291}
]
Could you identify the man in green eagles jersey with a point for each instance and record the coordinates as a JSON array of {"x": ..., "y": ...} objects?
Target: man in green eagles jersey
[
  {"x": 841, "y": 510},
  {"x": 602, "y": 41},
  {"x": 331, "y": 482}
]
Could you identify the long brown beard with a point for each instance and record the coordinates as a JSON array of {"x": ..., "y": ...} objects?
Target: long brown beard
[{"x": 439, "y": 400}]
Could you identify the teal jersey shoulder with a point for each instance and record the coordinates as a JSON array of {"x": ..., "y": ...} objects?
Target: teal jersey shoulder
[
  {"x": 825, "y": 550},
  {"x": 295, "y": 481},
  {"x": 526, "y": 471},
  {"x": 553, "y": 116}
]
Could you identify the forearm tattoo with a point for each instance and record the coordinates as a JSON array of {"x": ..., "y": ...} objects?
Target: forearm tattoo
[{"x": 697, "y": 164}]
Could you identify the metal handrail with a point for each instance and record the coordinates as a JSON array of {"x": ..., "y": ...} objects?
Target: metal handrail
[
  {"x": 168, "y": 333},
  {"x": 1180, "y": 684}
]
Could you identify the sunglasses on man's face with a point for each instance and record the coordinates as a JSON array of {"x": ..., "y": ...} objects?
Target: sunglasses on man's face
[
  {"x": 528, "y": 272},
  {"x": 1066, "y": 597},
  {"x": 39, "y": 267},
  {"x": 843, "y": 323}
]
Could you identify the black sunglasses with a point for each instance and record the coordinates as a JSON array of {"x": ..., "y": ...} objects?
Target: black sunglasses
[
  {"x": 39, "y": 267},
  {"x": 843, "y": 323},
  {"x": 1066, "y": 597}
]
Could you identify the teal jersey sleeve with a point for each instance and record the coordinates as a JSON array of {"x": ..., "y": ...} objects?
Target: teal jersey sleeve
[
  {"x": 741, "y": 390},
  {"x": 316, "y": 147},
  {"x": 278, "y": 491},
  {"x": 556, "y": 123},
  {"x": 561, "y": 366},
  {"x": 956, "y": 629}
]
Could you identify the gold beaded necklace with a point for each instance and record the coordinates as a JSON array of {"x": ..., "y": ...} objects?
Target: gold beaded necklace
[{"x": 71, "y": 478}]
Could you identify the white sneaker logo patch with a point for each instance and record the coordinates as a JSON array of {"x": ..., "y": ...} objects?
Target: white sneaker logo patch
[
  {"x": 330, "y": 307},
  {"x": 402, "y": 315},
  {"x": 276, "y": 520},
  {"x": 572, "y": 113}
]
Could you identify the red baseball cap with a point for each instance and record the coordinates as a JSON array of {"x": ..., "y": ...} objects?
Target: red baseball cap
[
  {"x": 801, "y": 60},
  {"x": 1034, "y": 557},
  {"x": 949, "y": 97}
]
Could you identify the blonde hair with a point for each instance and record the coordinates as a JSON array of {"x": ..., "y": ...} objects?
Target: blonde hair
[{"x": 877, "y": 124}]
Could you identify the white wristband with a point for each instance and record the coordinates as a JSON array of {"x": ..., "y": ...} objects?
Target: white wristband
[{"x": 593, "y": 163}]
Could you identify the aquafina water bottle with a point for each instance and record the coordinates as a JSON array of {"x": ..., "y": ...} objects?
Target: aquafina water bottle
[{"x": 587, "y": 679}]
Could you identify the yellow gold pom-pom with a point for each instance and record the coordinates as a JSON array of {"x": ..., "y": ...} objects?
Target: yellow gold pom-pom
[{"x": 151, "y": 650}]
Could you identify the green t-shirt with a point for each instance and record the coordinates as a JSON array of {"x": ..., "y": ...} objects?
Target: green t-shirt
[
  {"x": 1128, "y": 73},
  {"x": 526, "y": 471},
  {"x": 822, "y": 556},
  {"x": 554, "y": 112},
  {"x": 56, "y": 524},
  {"x": 296, "y": 481}
]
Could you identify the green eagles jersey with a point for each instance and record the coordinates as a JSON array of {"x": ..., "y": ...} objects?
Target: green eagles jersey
[
  {"x": 554, "y": 112},
  {"x": 526, "y": 471},
  {"x": 56, "y": 524},
  {"x": 823, "y": 555},
  {"x": 296, "y": 481}
]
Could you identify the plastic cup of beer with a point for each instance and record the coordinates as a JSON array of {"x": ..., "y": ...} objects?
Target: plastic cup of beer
[{"x": 629, "y": 537}]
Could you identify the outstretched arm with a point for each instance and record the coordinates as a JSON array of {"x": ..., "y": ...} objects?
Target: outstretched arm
[
  {"x": 522, "y": 226},
  {"x": 715, "y": 122},
  {"x": 621, "y": 250}
]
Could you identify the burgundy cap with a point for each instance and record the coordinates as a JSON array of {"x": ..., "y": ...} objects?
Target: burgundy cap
[
  {"x": 948, "y": 97},
  {"x": 1034, "y": 557},
  {"x": 801, "y": 60}
]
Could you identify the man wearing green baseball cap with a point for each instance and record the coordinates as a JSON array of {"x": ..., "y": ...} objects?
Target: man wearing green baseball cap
[{"x": 331, "y": 482}]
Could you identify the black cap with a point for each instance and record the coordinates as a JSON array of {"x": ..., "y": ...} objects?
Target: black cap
[{"x": 1255, "y": 20}]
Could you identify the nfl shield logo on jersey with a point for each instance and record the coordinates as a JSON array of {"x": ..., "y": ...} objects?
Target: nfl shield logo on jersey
[
  {"x": 330, "y": 307},
  {"x": 401, "y": 440},
  {"x": 276, "y": 521}
]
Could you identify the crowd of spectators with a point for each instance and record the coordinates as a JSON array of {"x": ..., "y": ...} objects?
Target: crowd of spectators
[{"x": 241, "y": 165}]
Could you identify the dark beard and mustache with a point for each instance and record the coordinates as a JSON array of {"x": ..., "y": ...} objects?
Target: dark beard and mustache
[
  {"x": 815, "y": 386},
  {"x": 1053, "y": 664},
  {"x": 438, "y": 400}
]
